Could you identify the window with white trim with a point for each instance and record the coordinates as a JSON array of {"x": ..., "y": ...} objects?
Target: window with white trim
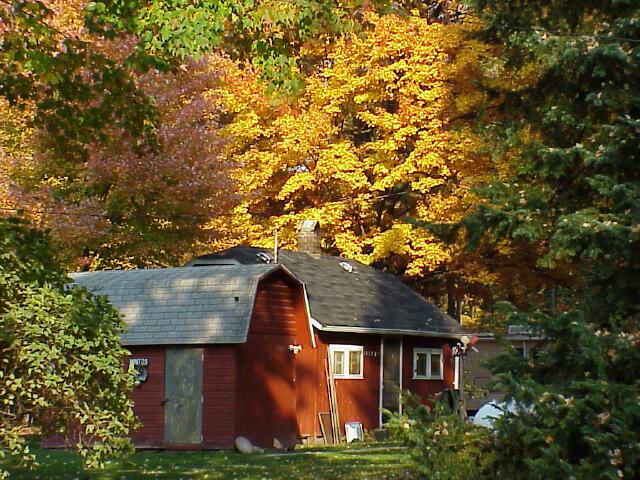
[
  {"x": 427, "y": 363},
  {"x": 346, "y": 361}
]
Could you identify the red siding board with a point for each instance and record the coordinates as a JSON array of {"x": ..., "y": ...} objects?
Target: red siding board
[
  {"x": 148, "y": 397},
  {"x": 425, "y": 389},
  {"x": 219, "y": 392},
  {"x": 261, "y": 390},
  {"x": 268, "y": 372},
  {"x": 358, "y": 399}
]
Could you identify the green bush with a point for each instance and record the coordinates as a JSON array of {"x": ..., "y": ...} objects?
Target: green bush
[
  {"x": 61, "y": 362},
  {"x": 443, "y": 446},
  {"x": 581, "y": 396}
]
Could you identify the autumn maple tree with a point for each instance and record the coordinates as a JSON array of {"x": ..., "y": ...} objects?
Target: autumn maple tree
[
  {"x": 380, "y": 140},
  {"x": 51, "y": 53},
  {"x": 123, "y": 139}
]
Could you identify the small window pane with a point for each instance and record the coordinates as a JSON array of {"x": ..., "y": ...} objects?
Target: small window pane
[
  {"x": 338, "y": 362},
  {"x": 435, "y": 365},
  {"x": 354, "y": 362},
  {"x": 421, "y": 364}
]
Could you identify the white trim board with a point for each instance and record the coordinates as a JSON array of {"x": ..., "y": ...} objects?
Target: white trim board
[
  {"x": 384, "y": 331},
  {"x": 381, "y": 380}
]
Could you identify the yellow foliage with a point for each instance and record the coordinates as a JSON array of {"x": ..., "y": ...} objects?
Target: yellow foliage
[
  {"x": 16, "y": 151},
  {"x": 371, "y": 141}
]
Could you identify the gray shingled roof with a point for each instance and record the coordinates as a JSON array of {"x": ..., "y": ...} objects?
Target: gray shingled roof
[
  {"x": 181, "y": 305},
  {"x": 365, "y": 298}
]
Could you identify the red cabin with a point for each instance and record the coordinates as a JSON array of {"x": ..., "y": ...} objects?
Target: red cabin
[{"x": 242, "y": 347}]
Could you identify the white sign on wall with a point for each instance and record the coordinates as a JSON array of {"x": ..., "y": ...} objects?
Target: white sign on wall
[
  {"x": 139, "y": 362},
  {"x": 140, "y": 365}
]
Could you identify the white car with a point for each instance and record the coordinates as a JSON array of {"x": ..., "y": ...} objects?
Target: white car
[{"x": 487, "y": 413}]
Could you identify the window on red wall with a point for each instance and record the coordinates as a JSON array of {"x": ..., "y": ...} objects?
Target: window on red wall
[
  {"x": 427, "y": 363},
  {"x": 346, "y": 361}
]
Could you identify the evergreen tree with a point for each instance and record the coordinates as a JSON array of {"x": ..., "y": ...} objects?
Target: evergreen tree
[{"x": 571, "y": 130}]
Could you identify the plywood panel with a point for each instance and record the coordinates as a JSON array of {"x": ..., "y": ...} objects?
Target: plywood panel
[{"x": 183, "y": 402}]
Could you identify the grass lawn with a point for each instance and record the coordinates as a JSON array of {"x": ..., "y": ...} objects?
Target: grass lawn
[{"x": 381, "y": 461}]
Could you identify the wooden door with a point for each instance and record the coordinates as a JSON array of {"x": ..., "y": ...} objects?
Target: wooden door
[
  {"x": 391, "y": 373},
  {"x": 183, "y": 391}
]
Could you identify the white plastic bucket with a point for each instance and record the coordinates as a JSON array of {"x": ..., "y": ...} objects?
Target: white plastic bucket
[{"x": 353, "y": 431}]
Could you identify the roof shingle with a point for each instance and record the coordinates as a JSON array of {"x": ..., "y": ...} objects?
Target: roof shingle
[
  {"x": 181, "y": 305},
  {"x": 364, "y": 298}
]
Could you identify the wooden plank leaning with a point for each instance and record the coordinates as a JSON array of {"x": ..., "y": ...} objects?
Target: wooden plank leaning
[{"x": 333, "y": 401}]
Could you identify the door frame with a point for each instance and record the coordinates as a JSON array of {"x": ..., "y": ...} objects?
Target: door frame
[{"x": 401, "y": 380}]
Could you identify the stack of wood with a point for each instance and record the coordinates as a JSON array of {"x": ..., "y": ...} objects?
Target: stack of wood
[{"x": 332, "y": 434}]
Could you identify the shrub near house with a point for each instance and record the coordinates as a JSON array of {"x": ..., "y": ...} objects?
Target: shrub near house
[{"x": 61, "y": 355}]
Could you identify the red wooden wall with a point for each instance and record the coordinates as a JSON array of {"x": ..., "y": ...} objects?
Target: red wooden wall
[
  {"x": 261, "y": 390},
  {"x": 268, "y": 371},
  {"x": 358, "y": 399},
  {"x": 425, "y": 389},
  {"x": 148, "y": 397},
  {"x": 219, "y": 377},
  {"x": 308, "y": 380},
  {"x": 218, "y": 390}
]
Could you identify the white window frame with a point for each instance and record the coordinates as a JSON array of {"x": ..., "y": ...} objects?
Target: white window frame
[
  {"x": 347, "y": 349},
  {"x": 428, "y": 352}
]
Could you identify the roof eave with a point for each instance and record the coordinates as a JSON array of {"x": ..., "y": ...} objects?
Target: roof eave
[
  {"x": 490, "y": 336},
  {"x": 164, "y": 342},
  {"x": 385, "y": 331}
]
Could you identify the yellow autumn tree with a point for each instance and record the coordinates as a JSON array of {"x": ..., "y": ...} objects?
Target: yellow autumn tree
[
  {"x": 16, "y": 151},
  {"x": 381, "y": 135}
]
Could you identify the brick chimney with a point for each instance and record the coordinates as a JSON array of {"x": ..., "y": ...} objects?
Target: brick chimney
[{"x": 309, "y": 237}]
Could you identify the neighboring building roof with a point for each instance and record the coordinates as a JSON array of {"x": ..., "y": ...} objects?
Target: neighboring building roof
[
  {"x": 181, "y": 305},
  {"x": 514, "y": 332},
  {"x": 346, "y": 295}
]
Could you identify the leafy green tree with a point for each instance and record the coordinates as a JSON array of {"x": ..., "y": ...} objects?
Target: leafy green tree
[
  {"x": 121, "y": 129},
  {"x": 61, "y": 363},
  {"x": 571, "y": 133},
  {"x": 52, "y": 53}
]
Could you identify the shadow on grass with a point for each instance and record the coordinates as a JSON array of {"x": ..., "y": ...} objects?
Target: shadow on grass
[{"x": 317, "y": 464}]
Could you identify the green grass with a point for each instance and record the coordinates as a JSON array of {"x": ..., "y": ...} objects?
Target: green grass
[{"x": 383, "y": 461}]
